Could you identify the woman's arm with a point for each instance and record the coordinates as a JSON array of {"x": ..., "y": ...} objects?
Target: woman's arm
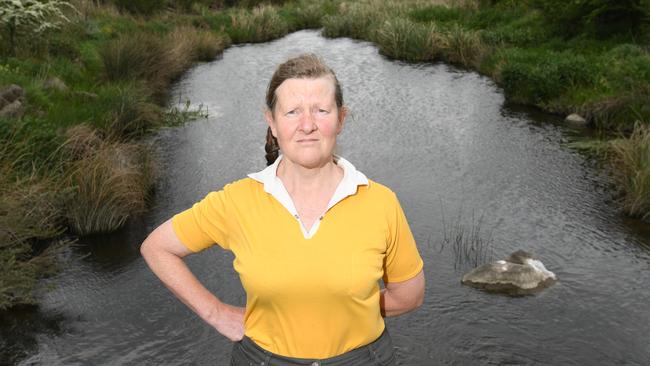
[
  {"x": 164, "y": 252},
  {"x": 401, "y": 297}
]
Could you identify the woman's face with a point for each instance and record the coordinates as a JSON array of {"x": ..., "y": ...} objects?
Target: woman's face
[{"x": 306, "y": 120}]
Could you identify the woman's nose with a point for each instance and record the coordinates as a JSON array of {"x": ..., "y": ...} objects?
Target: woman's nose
[{"x": 308, "y": 123}]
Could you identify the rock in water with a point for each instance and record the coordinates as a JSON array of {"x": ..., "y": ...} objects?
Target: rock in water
[
  {"x": 576, "y": 119},
  {"x": 519, "y": 274}
]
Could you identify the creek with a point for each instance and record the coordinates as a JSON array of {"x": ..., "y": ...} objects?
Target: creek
[{"x": 454, "y": 152}]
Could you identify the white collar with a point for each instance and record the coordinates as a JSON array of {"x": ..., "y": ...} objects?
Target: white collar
[{"x": 352, "y": 179}]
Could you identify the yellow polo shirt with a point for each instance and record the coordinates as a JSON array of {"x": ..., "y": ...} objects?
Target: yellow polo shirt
[{"x": 309, "y": 294}]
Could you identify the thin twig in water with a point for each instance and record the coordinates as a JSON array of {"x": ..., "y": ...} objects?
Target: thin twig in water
[{"x": 469, "y": 244}]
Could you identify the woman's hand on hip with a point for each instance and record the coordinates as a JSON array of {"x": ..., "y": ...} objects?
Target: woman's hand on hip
[{"x": 229, "y": 321}]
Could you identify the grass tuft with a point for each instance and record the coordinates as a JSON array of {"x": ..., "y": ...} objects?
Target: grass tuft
[
  {"x": 111, "y": 181},
  {"x": 355, "y": 20},
  {"x": 403, "y": 39},
  {"x": 261, "y": 24},
  {"x": 464, "y": 47},
  {"x": 29, "y": 211},
  {"x": 631, "y": 157}
]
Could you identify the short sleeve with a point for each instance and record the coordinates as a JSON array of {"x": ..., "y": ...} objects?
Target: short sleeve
[
  {"x": 205, "y": 223},
  {"x": 402, "y": 261}
]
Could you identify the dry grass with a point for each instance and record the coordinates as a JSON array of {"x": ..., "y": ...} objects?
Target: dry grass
[
  {"x": 631, "y": 157},
  {"x": 309, "y": 14},
  {"x": 261, "y": 24},
  {"x": 158, "y": 61},
  {"x": 356, "y": 20},
  {"x": 29, "y": 211},
  {"x": 111, "y": 181},
  {"x": 188, "y": 44},
  {"x": 133, "y": 114},
  {"x": 463, "y": 47}
]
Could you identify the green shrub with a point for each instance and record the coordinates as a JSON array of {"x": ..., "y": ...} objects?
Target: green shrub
[{"x": 30, "y": 18}]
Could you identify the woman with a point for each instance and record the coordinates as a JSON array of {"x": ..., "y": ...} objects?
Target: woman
[{"x": 311, "y": 236}]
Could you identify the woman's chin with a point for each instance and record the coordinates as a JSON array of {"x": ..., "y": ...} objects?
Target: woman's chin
[{"x": 311, "y": 161}]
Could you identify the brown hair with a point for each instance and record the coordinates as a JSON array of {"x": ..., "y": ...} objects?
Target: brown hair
[{"x": 306, "y": 66}]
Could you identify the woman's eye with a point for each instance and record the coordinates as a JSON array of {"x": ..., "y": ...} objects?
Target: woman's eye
[
  {"x": 292, "y": 112},
  {"x": 323, "y": 111}
]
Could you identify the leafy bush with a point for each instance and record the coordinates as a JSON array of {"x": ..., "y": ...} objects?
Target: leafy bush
[{"x": 30, "y": 18}]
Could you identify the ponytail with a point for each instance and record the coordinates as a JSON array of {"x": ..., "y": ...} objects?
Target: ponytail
[{"x": 272, "y": 149}]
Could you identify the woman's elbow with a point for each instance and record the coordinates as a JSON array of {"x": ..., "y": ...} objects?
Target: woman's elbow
[
  {"x": 418, "y": 294},
  {"x": 419, "y": 300}
]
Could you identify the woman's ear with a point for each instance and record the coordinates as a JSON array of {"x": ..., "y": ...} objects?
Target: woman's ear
[
  {"x": 343, "y": 112},
  {"x": 268, "y": 116}
]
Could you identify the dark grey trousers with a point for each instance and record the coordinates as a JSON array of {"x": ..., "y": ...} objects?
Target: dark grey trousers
[{"x": 379, "y": 353}]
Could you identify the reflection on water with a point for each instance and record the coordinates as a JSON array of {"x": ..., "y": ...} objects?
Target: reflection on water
[
  {"x": 21, "y": 328},
  {"x": 444, "y": 141}
]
